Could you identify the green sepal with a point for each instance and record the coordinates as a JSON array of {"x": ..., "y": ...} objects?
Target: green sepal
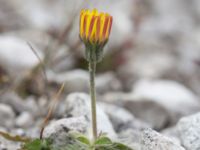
[{"x": 94, "y": 51}]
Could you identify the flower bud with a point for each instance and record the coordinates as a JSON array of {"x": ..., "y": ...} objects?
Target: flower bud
[{"x": 95, "y": 29}]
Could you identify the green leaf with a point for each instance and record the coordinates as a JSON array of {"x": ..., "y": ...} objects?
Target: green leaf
[
  {"x": 84, "y": 140},
  {"x": 112, "y": 146},
  {"x": 75, "y": 142},
  {"x": 119, "y": 146},
  {"x": 103, "y": 141},
  {"x": 37, "y": 144},
  {"x": 80, "y": 137},
  {"x": 72, "y": 143},
  {"x": 73, "y": 146}
]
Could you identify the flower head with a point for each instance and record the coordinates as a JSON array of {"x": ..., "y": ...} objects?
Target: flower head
[
  {"x": 95, "y": 26},
  {"x": 95, "y": 29}
]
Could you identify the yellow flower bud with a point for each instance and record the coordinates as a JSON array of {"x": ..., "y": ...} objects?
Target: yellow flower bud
[{"x": 95, "y": 26}]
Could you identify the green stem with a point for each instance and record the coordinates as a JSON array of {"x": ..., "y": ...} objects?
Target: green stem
[{"x": 92, "y": 69}]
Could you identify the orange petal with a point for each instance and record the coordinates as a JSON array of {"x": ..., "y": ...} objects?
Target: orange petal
[
  {"x": 98, "y": 28},
  {"x": 91, "y": 25},
  {"x": 105, "y": 27},
  {"x": 110, "y": 25}
]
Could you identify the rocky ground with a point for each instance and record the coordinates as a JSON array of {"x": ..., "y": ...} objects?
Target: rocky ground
[{"x": 148, "y": 84}]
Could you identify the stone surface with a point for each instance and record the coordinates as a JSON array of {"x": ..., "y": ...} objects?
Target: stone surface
[
  {"x": 78, "y": 104},
  {"x": 10, "y": 17},
  {"x": 8, "y": 145},
  {"x": 151, "y": 140},
  {"x": 19, "y": 105},
  {"x": 12, "y": 52},
  {"x": 189, "y": 131},
  {"x": 59, "y": 130},
  {"x": 107, "y": 82},
  {"x": 144, "y": 109},
  {"x": 172, "y": 133},
  {"x": 122, "y": 119},
  {"x": 76, "y": 124},
  {"x": 78, "y": 81},
  {"x": 75, "y": 81},
  {"x": 149, "y": 111},
  {"x": 7, "y": 116},
  {"x": 131, "y": 138},
  {"x": 153, "y": 101},
  {"x": 24, "y": 120},
  {"x": 158, "y": 64},
  {"x": 170, "y": 95},
  {"x": 115, "y": 114}
]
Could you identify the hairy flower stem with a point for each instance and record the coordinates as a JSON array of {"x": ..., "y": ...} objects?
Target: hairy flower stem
[{"x": 92, "y": 70}]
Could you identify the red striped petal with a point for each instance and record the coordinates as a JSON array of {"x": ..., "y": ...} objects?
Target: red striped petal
[
  {"x": 105, "y": 27},
  {"x": 91, "y": 25},
  {"x": 98, "y": 28},
  {"x": 111, "y": 20}
]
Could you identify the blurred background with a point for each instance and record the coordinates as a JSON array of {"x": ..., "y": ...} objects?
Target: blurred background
[{"x": 150, "y": 70}]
